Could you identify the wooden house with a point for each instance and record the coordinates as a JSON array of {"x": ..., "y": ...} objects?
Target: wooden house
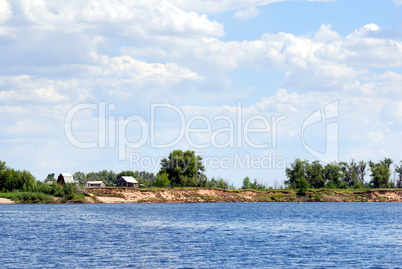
[
  {"x": 127, "y": 181},
  {"x": 95, "y": 184},
  {"x": 65, "y": 178}
]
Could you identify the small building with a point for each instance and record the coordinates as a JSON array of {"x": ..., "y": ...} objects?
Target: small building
[
  {"x": 127, "y": 181},
  {"x": 65, "y": 178},
  {"x": 95, "y": 184}
]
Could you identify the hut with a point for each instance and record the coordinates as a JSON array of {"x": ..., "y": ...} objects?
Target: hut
[
  {"x": 65, "y": 178},
  {"x": 127, "y": 181},
  {"x": 95, "y": 184}
]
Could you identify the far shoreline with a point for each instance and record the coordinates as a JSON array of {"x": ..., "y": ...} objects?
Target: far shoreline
[
  {"x": 205, "y": 195},
  {"x": 119, "y": 195}
]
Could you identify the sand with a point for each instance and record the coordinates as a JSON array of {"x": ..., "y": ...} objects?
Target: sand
[
  {"x": 6, "y": 201},
  {"x": 202, "y": 195}
]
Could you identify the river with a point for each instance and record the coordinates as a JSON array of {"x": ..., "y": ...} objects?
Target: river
[{"x": 209, "y": 235}]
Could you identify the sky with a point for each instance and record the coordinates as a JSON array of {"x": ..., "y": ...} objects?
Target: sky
[{"x": 248, "y": 85}]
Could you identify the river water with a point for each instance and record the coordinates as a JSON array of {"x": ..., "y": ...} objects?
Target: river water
[{"x": 216, "y": 235}]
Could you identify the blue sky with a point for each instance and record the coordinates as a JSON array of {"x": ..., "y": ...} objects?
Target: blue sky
[{"x": 330, "y": 71}]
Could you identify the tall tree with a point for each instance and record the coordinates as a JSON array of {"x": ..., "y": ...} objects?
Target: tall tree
[
  {"x": 315, "y": 174},
  {"x": 398, "y": 169},
  {"x": 350, "y": 173},
  {"x": 362, "y": 171},
  {"x": 333, "y": 176},
  {"x": 380, "y": 173},
  {"x": 183, "y": 168},
  {"x": 296, "y": 174},
  {"x": 246, "y": 183},
  {"x": 80, "y": 176}
]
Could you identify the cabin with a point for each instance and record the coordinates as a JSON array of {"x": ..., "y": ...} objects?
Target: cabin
[
  {"x": 127, "y": 181},
  {"x": 65, "y": 178},
  {"x": 95, "y": 184}
]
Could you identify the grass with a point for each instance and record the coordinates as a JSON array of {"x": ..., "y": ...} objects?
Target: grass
[{"x": 29, "y": 197}]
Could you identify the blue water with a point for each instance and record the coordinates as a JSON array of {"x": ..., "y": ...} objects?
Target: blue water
[{"x": 221, "y": 235}]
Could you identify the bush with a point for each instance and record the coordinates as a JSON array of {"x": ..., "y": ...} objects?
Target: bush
[{"x": 29, "y": 197}]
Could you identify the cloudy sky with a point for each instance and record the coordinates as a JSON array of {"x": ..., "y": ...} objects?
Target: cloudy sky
[{"x": 248, "y": 85}]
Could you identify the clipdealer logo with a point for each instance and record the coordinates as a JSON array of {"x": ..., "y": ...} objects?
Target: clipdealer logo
[{"x": 238, "y": 129}]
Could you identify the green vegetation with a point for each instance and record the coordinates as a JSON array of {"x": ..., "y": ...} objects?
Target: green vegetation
[
  {"x": 303, "y": 175},
  {"x": 28, "y": 197},
  {"x": 21, "y": 186},
  {"x": 398, "y": 169},
  {"x": 110, "y": 177},
  {"x": 380, "y": 173},
  {"x": 162, "y": 180},
  {"x": 247, "y": 184},
  {"x": 183, "y": 168}
]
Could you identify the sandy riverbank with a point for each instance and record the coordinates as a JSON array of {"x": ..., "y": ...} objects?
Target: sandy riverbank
[
  {"x": 132, "y": 195},
  {"x": 6, "y": 201}
]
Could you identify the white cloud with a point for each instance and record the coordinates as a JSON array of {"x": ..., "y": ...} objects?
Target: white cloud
[
  {"x": 218, "y": 6},
  {"x": 134, "y": 54},
  {"x": 41, "y": 91},
  {"x": 128, "y": 67},
  {"x": 12, "y": 109},
  {"x": 246, "y": 14},
  {"x": 126, "y": 18},
  {"x": 326, "y": 34},
  {"x": 5, "y": 10},
  {"x": 398, "y": 2},
  {"x": 325, "y": 60}
]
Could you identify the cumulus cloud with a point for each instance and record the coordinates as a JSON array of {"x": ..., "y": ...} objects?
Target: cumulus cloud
[
  {"x": 134, "y": 18},
  {"x": 246, "y": 14},
  {"x": 324, "y": 60},
  {"x": 56, "y": 54}
]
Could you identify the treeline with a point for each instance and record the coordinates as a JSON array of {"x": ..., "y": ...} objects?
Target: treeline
[
  {"x": 179, "y": 169},
  {"x": 342, "y": 175},
  {"x": 256, "y": 185},
  {"x": 146, "y": 179},
  {"x": 22, "y": 186}
]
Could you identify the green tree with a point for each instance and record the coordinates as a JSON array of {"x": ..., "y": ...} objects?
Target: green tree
[
  {"x": 223, "y": 184},
  {"x": 80, "y": 176},
  {"x": 11, "y": 180},
  {"x": 146, "y": 177},
  {"x": 350, "y": 173},
  {"x": 296, "y": 171},
  {"x": 333, "y": 176},
  {"x": 380, "y": 173},
  {"x": 302, "y": 185},
  {"x": 362, "y": 171},
  {"x": 398, "y": 169},
  {"x": 162, "y": 180},
  {"x": 50, "y": 177},
  {"x": 246, "y": 183},
  {"x": 183, "y": 168},
  {"x": 315, "y": 174}
]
